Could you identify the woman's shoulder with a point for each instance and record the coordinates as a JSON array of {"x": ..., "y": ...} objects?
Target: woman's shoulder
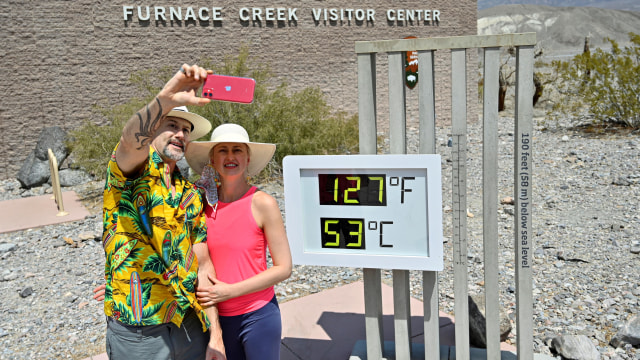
[
  {"x": 265, "y": 208},
  {"x": 261, "y": 198}
]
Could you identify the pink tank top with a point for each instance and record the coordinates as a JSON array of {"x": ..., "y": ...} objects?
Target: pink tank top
[{"x": 237, "y": 247}]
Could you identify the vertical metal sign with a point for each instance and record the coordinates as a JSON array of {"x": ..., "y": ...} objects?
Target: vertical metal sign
[{"x": 523, "y": 166}]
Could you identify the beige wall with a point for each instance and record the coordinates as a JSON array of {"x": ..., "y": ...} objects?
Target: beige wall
[{"x": 60, "y": 58}]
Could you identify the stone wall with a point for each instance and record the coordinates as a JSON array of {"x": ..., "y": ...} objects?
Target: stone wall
[{"x": 61, "y": 58}]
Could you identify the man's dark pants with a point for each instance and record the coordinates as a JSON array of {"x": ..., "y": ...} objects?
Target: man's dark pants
[{"x": 157, "y": 342}]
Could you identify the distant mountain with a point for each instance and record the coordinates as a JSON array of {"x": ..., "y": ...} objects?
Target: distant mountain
[
  {"x": 561, "y": 30},
  {"x": 629, "y": 5}
]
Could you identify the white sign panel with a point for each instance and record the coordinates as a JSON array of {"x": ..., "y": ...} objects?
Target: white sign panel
[{"x": 369, "y": 211}]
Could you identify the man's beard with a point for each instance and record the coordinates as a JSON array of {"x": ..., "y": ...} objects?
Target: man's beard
[{"x": 173, "y": 154}]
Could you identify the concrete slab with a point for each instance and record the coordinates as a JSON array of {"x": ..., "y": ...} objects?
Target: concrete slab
[
  {"x": 359, "y": 351},
  {"x": 37, "y": 211},
  {"x": 331, "y": 325},
  {"x": 102, "y": 356},
  {"x": 328, "y": 324}
]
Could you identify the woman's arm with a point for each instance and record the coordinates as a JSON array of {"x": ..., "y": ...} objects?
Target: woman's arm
[{"x": 215, "y": 349}]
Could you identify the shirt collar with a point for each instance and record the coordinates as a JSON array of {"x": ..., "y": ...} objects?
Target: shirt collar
[{"x": 159, "y": 164}]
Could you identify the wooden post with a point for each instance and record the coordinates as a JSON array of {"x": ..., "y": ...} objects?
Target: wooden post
[
  {"x": 490, "y": 200},
  {"x": 55, "y": 183},
  {"x": 368, "y": 144},
  {"x": 459, "y": 155},
  {"x": 427, "y": 110}
]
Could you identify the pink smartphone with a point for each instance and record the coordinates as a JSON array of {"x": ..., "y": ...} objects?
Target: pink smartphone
[{"x": 229, "y": 88}]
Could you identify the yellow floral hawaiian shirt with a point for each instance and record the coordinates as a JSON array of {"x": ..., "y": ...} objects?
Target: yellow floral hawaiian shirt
[{"x": 148, "y": 237}]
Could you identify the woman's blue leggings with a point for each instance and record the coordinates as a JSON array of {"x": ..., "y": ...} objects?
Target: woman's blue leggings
[{"x": 255, "y": 335}]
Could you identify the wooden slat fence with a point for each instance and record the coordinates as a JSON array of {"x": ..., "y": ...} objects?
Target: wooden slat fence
[{"x": 458, "y": 46}]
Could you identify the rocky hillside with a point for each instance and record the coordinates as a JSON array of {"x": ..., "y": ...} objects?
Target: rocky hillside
[
  {"x": 631, "y": 5},
  {"x": 561, "y": 30}
]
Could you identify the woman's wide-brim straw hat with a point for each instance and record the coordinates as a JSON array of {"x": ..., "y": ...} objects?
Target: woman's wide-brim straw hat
[{"x": 197, "y": 153}]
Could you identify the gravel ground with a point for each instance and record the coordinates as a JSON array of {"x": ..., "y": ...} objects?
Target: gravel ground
[{"x": 585, "y": 220}]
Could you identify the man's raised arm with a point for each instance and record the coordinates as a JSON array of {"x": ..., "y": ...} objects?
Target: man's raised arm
[{"x": 139, "y": 131}]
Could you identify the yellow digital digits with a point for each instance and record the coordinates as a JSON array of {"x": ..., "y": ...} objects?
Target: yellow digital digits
[
  {"x": 332, "y": 233},
  {"x": 358, "y": 233},
  {"x": 380, "y": 179},
  {"x": 351, "y": 189},
  {"x": 343, "y": 233}
]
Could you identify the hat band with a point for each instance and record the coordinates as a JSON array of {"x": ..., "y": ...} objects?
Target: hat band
[{"x": 230, "y": 138}]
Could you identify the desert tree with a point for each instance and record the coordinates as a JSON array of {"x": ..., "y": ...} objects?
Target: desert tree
[{"x": 600, "y": 86}]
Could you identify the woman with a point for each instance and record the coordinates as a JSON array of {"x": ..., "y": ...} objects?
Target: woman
[{"x": 241, "y": 223}]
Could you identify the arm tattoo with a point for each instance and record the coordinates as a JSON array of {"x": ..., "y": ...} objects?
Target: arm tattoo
[{"x": 148, "y": 125}]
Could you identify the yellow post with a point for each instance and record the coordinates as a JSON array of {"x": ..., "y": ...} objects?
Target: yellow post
[{"x": 55, "y": 183}]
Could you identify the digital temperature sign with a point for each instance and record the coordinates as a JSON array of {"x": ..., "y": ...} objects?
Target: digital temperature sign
[{"x": 373, "y": 211}]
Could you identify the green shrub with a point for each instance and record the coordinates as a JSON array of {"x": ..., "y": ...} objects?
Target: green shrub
[
  {"x": 600, "y": 86},
  {"x": 300, "y": 123}
]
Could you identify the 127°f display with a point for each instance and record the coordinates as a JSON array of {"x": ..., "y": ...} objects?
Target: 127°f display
[{"x": 350, "y": 189}]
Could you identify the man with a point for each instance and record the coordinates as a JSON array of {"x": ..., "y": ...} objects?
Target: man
[{"x": 154, "y": 234}]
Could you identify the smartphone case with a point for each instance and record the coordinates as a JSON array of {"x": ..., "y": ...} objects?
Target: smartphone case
[{"x": 229, "y": 88}]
